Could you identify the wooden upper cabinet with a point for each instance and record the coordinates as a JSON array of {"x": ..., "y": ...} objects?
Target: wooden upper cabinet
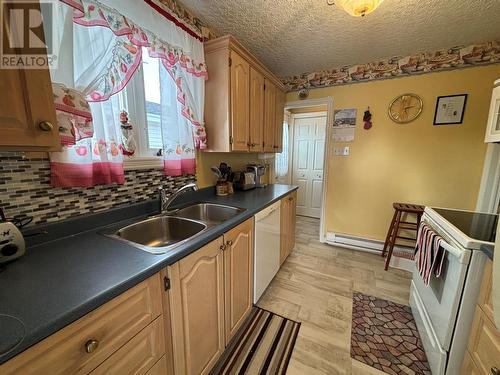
[
  {"x": 269, "y": 116},
  {"x": 197, "y": 309},
  {"x": 27, "y": 113},
  {"x": 238, "y": 276},
  {"x": 256, "y": 110},
  {"x": 237, "y": 108},
  {"x": 240, "y": 102},
  {"x": 280, "y": 116}
]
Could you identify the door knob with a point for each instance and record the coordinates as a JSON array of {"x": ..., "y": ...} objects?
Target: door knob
[
  {"x": 45, "y": 126},
  {"x": 91, "y": 346}
]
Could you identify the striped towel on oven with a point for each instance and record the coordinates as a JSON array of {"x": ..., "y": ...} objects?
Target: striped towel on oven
[{"x": 429, "y": 255}]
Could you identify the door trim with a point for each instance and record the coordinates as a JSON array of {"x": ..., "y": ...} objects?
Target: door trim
[{"x": 328, "y": 101}]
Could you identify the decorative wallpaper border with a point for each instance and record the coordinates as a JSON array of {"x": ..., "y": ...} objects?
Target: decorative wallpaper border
[
  {"x": 181, "y": 14},
  {"x": 419, "y": 63}
]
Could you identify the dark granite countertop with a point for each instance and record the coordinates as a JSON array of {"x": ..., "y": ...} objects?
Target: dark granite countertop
[{"x": 73, "y": 269}]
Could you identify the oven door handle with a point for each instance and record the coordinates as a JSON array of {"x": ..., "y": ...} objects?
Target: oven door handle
[{"x": 451, "y": 249}]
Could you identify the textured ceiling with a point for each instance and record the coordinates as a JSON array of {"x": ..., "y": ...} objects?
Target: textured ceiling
[{"x": 296, "y": 36}]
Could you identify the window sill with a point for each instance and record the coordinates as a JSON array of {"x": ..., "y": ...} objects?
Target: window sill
[{"x": 143, "y": 163}]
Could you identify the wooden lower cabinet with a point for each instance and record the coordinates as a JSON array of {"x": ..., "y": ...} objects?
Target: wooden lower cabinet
[
  {"x": 178, "y": 321},
  {"x": 468, "y": 366},
  {"x": 139, "y": 354},
  {"x": 210, "y": 296},
  {"x": 484, "y": 344},
  {"x": 483, "y": 350},
  {"x": 287, "y": 223},
  {"x": 159, "y": 368},
  {"x": 238, "y": 276},
  {"x": 197, "y": 309}
]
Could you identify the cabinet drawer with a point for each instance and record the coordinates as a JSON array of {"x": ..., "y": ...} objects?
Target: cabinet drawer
[
  {"x": 159, "y": 368},
  {"x": 69, "y": 351},
  {"x": 484, "y": 344},
  {"x": 138, "y": 355}
]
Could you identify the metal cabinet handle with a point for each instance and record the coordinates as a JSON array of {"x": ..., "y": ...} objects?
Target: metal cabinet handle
[
  {"x": 45, "y": 126},
  {"x": 290, "y": 199},
  {"x": 495, "y": 371},
  {"x": 91, "y": 346},
  {"x": 229, "y": 243},
  {"x": 222, "y": 247}
]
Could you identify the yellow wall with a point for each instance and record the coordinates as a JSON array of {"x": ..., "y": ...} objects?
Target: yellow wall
[
  {"x": 204, "y": 160},
  {"x": 415, "y": 162}
]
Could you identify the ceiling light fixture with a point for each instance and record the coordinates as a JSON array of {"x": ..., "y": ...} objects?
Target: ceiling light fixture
[{"x": 356, "y": 8}]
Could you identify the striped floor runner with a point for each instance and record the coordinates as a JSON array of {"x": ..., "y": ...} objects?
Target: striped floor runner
[{"x": 263, "y": 346}]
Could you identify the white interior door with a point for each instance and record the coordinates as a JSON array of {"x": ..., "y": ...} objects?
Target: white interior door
[{"x": 307, "y": 167}]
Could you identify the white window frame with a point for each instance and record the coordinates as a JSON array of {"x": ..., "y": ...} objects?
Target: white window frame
[{"x": 135, "y": 103}]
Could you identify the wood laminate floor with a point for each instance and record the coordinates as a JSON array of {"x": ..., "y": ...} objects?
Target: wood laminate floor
[{"x": 314, "y": 286}]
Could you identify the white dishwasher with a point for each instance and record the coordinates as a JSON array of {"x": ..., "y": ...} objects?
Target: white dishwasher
[{"x": 267, "y": 248}]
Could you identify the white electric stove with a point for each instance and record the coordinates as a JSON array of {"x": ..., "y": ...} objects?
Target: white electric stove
[{"x": 444, "y": 310}]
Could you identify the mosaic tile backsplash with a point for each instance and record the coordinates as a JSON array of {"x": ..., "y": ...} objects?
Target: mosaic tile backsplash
[{"x": 25, "y": 190}]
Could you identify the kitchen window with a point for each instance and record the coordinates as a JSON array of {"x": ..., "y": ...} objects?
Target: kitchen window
[{"x": 142, "y": 100}]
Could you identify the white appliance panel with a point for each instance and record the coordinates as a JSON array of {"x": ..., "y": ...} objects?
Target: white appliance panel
[
  {"x": 436, "y": 356},
  {"x": 267, "y": 248}
]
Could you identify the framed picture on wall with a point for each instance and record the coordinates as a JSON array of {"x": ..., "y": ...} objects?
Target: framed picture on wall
[{"x": 450, "y": 109}]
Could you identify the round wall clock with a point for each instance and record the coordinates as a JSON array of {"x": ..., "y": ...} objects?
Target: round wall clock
[{"x": 405, "y": 108}]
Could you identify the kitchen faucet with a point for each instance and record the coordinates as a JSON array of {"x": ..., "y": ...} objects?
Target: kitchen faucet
[{"x": 166, "y": 201}]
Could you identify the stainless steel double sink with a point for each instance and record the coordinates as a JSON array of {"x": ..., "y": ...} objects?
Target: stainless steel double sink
[{"x": 162, "y": 233}]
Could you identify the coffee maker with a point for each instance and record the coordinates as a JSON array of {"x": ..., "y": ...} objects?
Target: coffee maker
[{"x": 259, "y": 170}]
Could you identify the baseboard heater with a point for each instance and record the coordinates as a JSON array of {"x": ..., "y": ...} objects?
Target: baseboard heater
[{"x": 361, "y": 243}]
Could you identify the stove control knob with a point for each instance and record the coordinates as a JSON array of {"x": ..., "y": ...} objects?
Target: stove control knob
[{"x": 9, "y": 250}]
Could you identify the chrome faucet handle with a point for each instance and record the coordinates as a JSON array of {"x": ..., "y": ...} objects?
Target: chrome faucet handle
[
  {"x": 166, "y": 201},
  {"x": 163, "y": 198}
]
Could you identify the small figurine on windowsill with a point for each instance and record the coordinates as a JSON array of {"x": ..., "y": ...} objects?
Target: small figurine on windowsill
[
  {"x": 128, "y": 145},
  {"x": 367, "y": 119}
]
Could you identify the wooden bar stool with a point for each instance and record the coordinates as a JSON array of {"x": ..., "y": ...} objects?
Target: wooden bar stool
[{"x": 397, "y": 224}]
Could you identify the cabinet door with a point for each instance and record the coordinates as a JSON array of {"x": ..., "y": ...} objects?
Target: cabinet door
[
  {"x": 256, "y": 110},
  {"x": 238, "y": 264},
  {"x": 197, "y": 309},
  {"x": 240, "y": 102},
  {"x": 468, "y": 366},
  {"x": 493, "y": 127},
  {"x": 27, "y": 101},
  {"x": 484, "y": 343},
  {"x": 280, "y": 114},
  {"x": 292, "y": 199},
  {"x": 485, "y": 293},
  {"x": 269, "y": 116},
  {"x": 284, "y": 228},
  {"x": 288, "y": 222}
]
